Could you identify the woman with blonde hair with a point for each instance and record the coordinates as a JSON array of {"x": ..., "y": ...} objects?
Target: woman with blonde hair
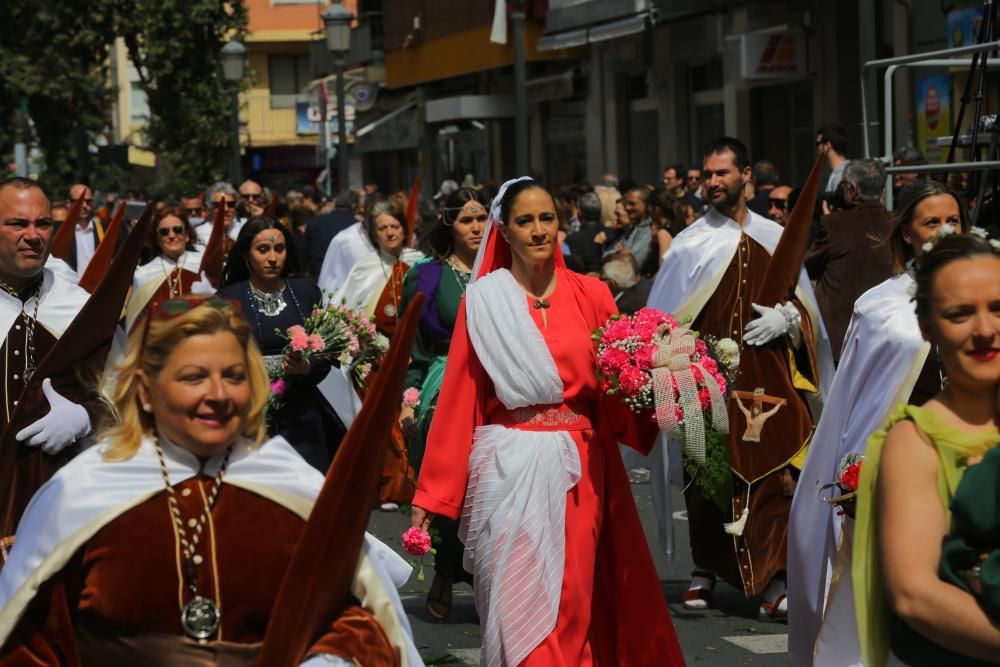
[{"x": 167, "y": 542}]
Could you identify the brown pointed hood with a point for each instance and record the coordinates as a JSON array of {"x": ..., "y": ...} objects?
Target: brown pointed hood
[
  {"x": 317, "y": 583},
  {"x": 215, "y": 250},
  {"x": 62, "y": 241},
  {"x": 84, "y": 344},
  {"x": 101, "y": 261},
  {"x": 782, "y": 272}
]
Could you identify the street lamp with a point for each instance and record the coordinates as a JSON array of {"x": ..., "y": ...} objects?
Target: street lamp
[
  {"x": 233, "y": 63},
  {"x": 337, "y": 28}
]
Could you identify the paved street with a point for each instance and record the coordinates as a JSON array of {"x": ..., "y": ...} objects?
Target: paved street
[{"x": 728, "y": 636}]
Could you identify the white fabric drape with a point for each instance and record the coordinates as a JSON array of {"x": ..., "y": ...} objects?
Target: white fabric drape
[
  {"x": 882, "y": 356},
  {"x": 514, "y": 519}
]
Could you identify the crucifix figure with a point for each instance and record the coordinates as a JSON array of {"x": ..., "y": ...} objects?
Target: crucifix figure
[{"x": 756, "y": 415}]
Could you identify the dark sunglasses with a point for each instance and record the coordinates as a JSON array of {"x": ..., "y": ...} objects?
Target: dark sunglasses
[
  {"x": 780, "y": 203},
  {"x": 171, "y": 308},
  {"x": 253, "y": 197},
  {"x": 165, "y": 231},
  {"x": 193, "y": 211},
  {"x": 227, "y": 203}
]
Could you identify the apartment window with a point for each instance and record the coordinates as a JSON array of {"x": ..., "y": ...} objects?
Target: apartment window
[
  {"x": 138, "y": 103},
  {"x": 288, "y": 75}
]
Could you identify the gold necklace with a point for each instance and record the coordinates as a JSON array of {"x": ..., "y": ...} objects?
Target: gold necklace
[
  {"x": 200, "y": 617},
  {"x": 173, "y": 286}
]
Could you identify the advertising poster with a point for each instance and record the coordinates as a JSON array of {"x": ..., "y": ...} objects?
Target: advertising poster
[{"x": 933, "y": 96}]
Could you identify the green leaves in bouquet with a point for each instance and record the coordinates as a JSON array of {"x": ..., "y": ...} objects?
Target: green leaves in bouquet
[{"x": 715, "y": 476}]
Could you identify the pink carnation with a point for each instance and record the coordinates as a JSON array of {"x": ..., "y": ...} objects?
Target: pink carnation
[
  {"x": 616, "y": 331},
  {"x": 644, "y": 357},
  {"x": 645, "y": 329},
  {"x": 411, "y": 397},
  {"x": 632, "y": 380},
  {"x": 613, "y": 360},
  {"x": 278, "y": 387},
  {"x": 700, "y": 348},
  {"x": 316, "y": 343},
  {"x": 416, "y": 542},
  {"x": 299, "y": 338}
]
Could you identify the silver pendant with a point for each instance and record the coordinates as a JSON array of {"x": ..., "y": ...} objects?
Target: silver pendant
[
  {"x": 200, "y": 618},
  {"x": 389, "y": 310}
]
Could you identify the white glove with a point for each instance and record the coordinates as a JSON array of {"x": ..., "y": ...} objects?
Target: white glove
[
  {"x": 770, "y": 325},
  {"x": 794, "y": 320},
  {"x": 66, "y": 423},
  {"x": 202, "y": 287}
]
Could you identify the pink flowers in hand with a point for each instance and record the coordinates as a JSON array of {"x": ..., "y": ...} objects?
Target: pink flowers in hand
[
  {"x": 416, "y": 542},
  {"x": 278, "y": 387},
  {"x": 299, "y": 338},
  {"x": 316, "y": 343},
  {"x": 411, "y": 398}
]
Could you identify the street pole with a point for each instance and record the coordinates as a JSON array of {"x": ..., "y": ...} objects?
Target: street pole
[
  {"x": 344, "y": 180},
  {"x": 21, "y": 139},
  {"x": 234, "y": 141},
  {"x": 520, "y": 91},
  {"x": 324, "y": 100}
]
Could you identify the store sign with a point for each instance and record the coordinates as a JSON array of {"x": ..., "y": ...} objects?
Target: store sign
[
  {"x": 309, "y": 118},
  {"x": 773, "y": 55},
  {"x": 964, "y": 26}
]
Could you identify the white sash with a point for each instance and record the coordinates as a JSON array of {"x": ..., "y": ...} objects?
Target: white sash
[{"x": 514, "y": 518}]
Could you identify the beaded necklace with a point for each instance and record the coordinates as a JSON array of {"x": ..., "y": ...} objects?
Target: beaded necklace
[{"x": 256, "y": 310}]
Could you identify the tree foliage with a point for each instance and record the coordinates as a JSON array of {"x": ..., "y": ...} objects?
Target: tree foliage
[
  {"x": 55, "y": 53},
  {"x": 175, "y": 45}
]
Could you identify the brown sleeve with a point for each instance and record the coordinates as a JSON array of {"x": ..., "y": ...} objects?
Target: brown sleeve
[
  {"x": 356, "y": 635},
  {"x": 44, "y": 635}
]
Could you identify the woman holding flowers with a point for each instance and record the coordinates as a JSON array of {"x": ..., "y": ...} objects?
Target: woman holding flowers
[
  {"x": 258, "y": 276},
  {"x": 526, "y": 455},
  {"x": 454, "y": 240},
  {"x": 907, "y": 615}
]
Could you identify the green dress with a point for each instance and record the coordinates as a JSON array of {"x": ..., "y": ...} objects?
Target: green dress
[
  {"x": 878, "y": 628},
  {"x": 443, "y": 288}
]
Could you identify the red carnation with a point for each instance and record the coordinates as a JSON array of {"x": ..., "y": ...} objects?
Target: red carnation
[{"x": 849, "y": 478}]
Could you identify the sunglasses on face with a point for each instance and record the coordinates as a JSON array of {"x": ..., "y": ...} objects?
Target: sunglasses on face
[
  {"x": 226, "y": 203},
  {"x": 166, "y": 231},
  {"x": 253, "y": 197},
  {"x": 193, "y": 211},
  {"x": 778, "y": 203}
]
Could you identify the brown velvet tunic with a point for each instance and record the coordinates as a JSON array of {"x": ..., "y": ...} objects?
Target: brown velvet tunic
[
  {"x": 25, "y": 468},
  {"x": 749, "y": 561},
  {"x": 119, "y": 599}
]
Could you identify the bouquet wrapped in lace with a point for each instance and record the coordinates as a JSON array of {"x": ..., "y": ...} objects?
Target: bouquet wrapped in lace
[
  {"x": 334, "y": 332},
  {"x": 654, "y": 363}
]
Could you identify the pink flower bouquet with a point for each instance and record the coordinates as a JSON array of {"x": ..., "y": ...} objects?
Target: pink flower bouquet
[{"x": 654, "y": 364}]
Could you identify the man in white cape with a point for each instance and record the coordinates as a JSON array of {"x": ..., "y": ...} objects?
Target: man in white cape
[{"x": 726, "y": 241}]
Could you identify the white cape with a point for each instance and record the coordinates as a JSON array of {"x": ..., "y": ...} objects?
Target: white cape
[
  {"x": 62, "y": 269},
  {"x": 369, "y": 276},
  {"x": 150, "y": 276},
  {"x": 89, "y": 492},
  {"x": 60, "y": 302},
  {"x": 882, "y": 357},
  {"x": 692, "y": 269},
  {"x": 346, "y": 249}
]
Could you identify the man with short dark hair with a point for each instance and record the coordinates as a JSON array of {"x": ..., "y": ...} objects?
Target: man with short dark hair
[
  {"x": 323, "y": 228},
  {"x": 36, "y": 307},
  {"x": 848, "y": 257},
  {"x": 712, "y": 275},
  {"x": 765, "y": 178},
  {"x": 831, "y": 142},
  {"x": 582, "y": 242},
  {"x": 777, "y": 204},
  {"x": 904, "y": 157},
  {"x": 636, "y": 236},
  {"x": 89, "y": 230}
]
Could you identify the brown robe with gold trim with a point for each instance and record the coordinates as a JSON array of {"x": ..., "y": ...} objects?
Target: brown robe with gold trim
[
  {"x": 397, "y": 484},
  {"x": 118, "y": 600},
  {"x": 749, "y": 561}
]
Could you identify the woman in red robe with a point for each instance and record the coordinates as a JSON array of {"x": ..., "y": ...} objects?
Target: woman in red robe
[{"x": 526, "y": 454}]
